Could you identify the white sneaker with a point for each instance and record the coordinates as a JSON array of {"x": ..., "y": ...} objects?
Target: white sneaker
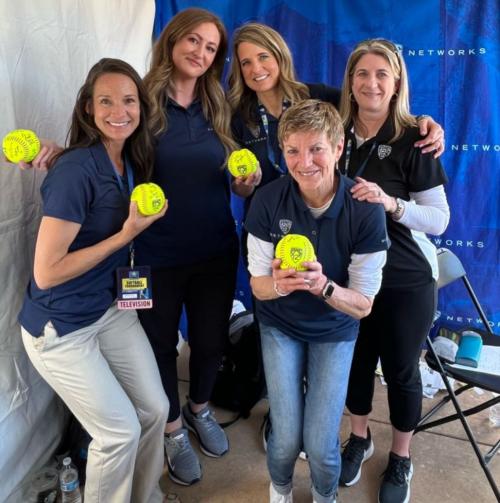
[{"x": 276, "y": 497}]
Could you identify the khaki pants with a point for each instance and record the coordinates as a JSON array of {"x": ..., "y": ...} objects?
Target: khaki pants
[{"x": 107, "y": 375}]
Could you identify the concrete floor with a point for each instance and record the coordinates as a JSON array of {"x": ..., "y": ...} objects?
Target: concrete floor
[{"x": 445, "y": 466}]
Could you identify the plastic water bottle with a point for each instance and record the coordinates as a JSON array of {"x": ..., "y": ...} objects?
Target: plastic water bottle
[
  {"x": 70, "y": 485},
  {"x": 495, "y": 414}
]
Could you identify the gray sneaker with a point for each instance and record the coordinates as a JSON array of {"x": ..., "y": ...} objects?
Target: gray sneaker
[
  {"x": 183, "y": 464},
  {"x": 212, "y": 439}
]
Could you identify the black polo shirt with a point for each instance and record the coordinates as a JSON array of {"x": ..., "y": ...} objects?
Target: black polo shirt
[
  {"x": 256, "y": 139},
  {"x": 398, "y": 168},
  {"x": 348, "y": 226},
  {"x": 189, "y": 168}
]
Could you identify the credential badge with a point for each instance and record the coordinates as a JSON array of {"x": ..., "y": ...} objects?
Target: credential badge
[
  {"x": 285, "y": 225},
  {"x": 384, "y": 151}
]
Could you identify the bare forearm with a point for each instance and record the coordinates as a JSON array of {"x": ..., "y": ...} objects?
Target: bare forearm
[
  {"x": 350, "y": 302},
  {"x": 263, "y": 288},
  {"x": 74, "y": 264},
  {"x": 345, "y": 300}
]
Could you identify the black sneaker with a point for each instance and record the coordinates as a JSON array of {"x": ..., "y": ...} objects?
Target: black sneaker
[
  {"x": 356, "y": 451},
  {"x": 395, "y": 487}
]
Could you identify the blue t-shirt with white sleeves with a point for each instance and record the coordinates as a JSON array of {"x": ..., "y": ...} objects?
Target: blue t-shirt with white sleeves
[
  {"x": 83, "y": 188},
  {"x": 347, "y": 227}
]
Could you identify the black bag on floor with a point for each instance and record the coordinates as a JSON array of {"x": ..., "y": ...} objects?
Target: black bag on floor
[{"x": 240, "y": 381}]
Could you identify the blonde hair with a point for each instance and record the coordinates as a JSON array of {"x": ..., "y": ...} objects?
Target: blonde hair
[
  {"x": 311, "y": 115},
  {"x": 240, "y": 96},
  {"x": 399, "y": 108},
  {"x": 209, "y": 90}
]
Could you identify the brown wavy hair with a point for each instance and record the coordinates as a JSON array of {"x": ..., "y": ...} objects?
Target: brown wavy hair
[
  {"x": 240, "y": 96},
  {"x": 209, "y": 90},
  {"x": 83, "y": 132}
]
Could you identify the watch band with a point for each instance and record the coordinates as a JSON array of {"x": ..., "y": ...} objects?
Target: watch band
[
  {"x": 398, "y": 212},
  {"x": 328, "y": 289}
]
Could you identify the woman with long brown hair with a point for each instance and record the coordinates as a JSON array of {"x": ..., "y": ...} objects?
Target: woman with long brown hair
[{"x": 193, "y": 251}]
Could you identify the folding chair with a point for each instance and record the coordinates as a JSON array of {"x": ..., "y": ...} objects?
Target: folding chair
[{"x": 451, "y": 269}]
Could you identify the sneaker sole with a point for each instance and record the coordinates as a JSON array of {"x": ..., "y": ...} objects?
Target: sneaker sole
[
  {"x": 177, "y": 480},
  {"x": 366, "y": 457},
  {"x": 407, "y": 499},
  {"x": 203, "y": 449},
  {"x": 182, "y": 482}
]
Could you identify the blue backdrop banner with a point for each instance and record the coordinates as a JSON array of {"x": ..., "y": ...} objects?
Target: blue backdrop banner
[{"x": 451, "y": 48}]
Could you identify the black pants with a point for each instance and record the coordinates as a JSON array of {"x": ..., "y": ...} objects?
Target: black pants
[
  {"x": 206, "y": 290},
  {"x": 394, "y": 331}
]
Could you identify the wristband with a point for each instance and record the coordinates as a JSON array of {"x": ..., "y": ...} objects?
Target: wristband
[{"x": 278, "y": 293}]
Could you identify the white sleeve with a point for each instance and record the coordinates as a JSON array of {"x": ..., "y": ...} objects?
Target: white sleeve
[
  {"x": 260, "y": 256},
  {"x": 365, "y": 272},
  {"x": 427, "y": 211}
]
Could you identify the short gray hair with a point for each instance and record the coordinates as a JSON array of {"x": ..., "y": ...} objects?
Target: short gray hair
[{"x": 311, "y": 115}]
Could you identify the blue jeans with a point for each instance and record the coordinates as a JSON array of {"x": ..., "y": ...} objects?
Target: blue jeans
[{"x": 308, "y": 419}]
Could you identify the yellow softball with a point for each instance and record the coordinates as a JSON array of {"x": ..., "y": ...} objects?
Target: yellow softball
[
  {"x": 242, "y": 163},
  {"x": 293, "y": 249},
  {"x": 21, "y": 145},
  {"x": 149, "y": 198}
]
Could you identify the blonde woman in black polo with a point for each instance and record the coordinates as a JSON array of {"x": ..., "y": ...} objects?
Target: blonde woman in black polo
[{"x": 380, "y": 156}]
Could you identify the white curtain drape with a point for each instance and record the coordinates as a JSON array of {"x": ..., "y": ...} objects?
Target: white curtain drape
[{"x": 46, "y": 50}]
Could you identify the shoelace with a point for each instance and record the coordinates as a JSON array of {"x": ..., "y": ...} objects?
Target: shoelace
[
  {"x": 210, "y": 424},
  {"x": 353, "y": 449},
  {"x": 179, "y": 442},
  {"x": 397, "y": 471}
]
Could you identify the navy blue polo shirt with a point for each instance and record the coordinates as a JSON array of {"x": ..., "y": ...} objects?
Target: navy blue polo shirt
[
  {"x": 348, "y": 226},
  {"x": 189, "y": 168},
  {"x": 398, "y": 168},
  {"x": 255, "y": 139},
  {"x": 82, "y": 187}
]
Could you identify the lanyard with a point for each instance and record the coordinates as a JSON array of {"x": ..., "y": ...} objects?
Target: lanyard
[
  {"x": 279, "y": 165},
  {"x": 361, "y": 169},
  {"x": 130, "y": 183},
  {"x": 130, "y": 177}
]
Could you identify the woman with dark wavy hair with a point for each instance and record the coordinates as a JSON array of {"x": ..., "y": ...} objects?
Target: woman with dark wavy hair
[{"x": 97, "y": 358}]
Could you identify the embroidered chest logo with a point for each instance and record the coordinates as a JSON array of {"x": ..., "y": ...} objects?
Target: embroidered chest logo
[
  {"x": 384, "y": 151},
  {"x": 285, "y": 225}
]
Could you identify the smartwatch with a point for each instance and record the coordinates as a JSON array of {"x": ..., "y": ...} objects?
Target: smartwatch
[{"x": 328, "y": 289}]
